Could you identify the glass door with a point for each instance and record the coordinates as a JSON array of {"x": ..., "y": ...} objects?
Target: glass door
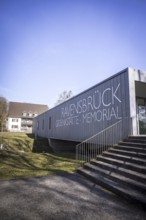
[{"x": 141, "y": 105}]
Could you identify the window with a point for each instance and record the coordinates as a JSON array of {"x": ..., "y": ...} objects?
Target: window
[
  {"x": 38, "y": 125},
  {"x": 15, "y": 120},
  {"x": 14, "y": 126},
  {"x": 49, "y": 123},
  {"x": 24, "y": 113},
  {"x": 43, "y": 124}
]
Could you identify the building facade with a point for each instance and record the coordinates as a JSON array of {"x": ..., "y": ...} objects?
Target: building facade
[
  {"x": 120, "y": 97},
  {"x": 20, "y": 116}
]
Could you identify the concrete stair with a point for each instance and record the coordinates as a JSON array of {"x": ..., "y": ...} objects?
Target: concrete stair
[{"x": 121, "y": 169}]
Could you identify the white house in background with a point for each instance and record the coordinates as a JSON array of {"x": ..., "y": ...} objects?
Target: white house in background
[{"x": 20, "y": 116}]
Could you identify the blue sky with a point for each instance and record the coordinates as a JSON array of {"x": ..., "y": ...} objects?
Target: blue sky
[{"x": 48, "y": 46}]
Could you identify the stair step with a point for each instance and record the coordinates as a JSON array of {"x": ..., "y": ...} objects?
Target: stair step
[
  {"x": 132, "y": 144},
  {"x": 123, "y": 171},
  {"x": 134, "y": 140},
  {"x": 138, "y": 137},
  {"x": 117, "y": 177},
  {"x": 128, "y": 153},
  {"x": 124, "y": 164},
  {"x": 130, "y": 148},
  {"x": 117, "y": 188},
  {"x": 125, "y": 158}
]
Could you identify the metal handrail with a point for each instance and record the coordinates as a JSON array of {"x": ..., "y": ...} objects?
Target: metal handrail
[{"x": 102, "y": 141}]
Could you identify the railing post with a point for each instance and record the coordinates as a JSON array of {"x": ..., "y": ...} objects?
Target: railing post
[{"x": 101, "y": 141}]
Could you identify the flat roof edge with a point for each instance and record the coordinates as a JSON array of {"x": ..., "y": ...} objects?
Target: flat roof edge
[{"x": 103, "y": 81}]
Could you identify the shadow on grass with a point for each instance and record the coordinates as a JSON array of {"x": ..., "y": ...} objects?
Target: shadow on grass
[
  {"x": 16, "y": 143},
  {"x": 25, "y": 154},
  {"x": 35, "y": 162},
  {"x": 25, "y": 142}
]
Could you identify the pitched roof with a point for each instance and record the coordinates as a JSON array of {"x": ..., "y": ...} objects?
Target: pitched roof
[{"x": 16, "y": 109}]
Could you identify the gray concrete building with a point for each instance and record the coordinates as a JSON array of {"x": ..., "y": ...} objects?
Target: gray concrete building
[{"x": 122, "y": 97}]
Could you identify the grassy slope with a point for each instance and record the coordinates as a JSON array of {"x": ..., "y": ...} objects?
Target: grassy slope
[{"x": 15, "y": 163}]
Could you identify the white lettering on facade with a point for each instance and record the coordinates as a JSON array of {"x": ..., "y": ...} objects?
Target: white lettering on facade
[
  {"x": 103, "y": 97},
  {"x": 114, "y": 96},
  {"x": 101, "y": 106}
]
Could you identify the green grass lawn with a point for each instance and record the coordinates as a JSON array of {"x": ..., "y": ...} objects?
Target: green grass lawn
[{"x": 21, "y": 161}]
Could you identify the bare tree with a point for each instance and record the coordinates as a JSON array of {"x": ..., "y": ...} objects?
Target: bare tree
[
  {"x": 3, "y": 113},
  {"x": 65, "y": 95}
]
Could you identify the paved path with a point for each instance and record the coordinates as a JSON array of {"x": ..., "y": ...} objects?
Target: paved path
[{"x": 62, "y": 197}]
